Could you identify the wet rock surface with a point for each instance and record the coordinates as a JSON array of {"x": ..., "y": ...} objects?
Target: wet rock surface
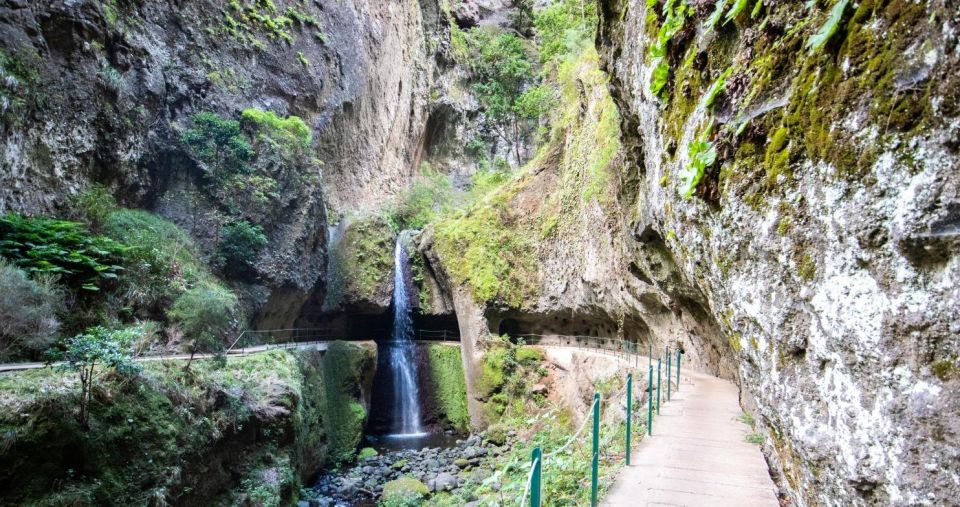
[{"x": 440, "y": 469}]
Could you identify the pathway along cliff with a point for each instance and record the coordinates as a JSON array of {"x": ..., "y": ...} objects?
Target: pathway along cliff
[{"x": 770, "y": 188}]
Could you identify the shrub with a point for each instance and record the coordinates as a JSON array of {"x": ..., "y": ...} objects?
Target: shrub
[
  {"x": 62, "y": 248},
  {"x": 28, "y": 309},
  {"x": 204, "y": 314},
  {"x": 240, "y": 243},
  {"x": 290, "y": 133},
  {"x": 529, "y": 355},
  {"x": 218, "y": 143},
  {"x": 95, "y": 204},
  {"x": 98, "y": 346},
  {"x": 162, "y": 261},
  {"x": 404, "y": 492}
]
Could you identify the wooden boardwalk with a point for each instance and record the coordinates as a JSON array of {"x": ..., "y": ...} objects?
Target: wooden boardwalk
[{"x": 698, "y": 455}]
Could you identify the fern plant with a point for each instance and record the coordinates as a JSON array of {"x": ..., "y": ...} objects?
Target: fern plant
[
  {"x": 823, "y": 35},
  {"x": 702, "y": 155},
  {"x": 715, "y": 89},
  {"x": 714, "y": 18},
  {"x": 738, "y": 7}
]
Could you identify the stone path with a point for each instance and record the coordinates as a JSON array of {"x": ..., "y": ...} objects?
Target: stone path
[{"x": 698, "y": 455}]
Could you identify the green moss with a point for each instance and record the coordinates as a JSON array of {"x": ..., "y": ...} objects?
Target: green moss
[
  {"x": 338, "y": 390},
  {"x": 494, "y": 370},
  {"x": 172, "y": 436},
  {"x": 806, "y": 267},
  {"x": 449, "y": 384},
  {"x": 786, "y": 223},
  {"x": 366, "y": 452},
  {"x": 483, "y": 251},
  {"x": 404, "y": 492},
  {"x": 361, "y": 262},
  {"x": 944, "y": 369},
  {"x": 735, "y": 341}
]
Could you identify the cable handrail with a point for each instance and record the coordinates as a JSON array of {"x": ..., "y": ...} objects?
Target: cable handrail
[{"x": 574, "y": 436}]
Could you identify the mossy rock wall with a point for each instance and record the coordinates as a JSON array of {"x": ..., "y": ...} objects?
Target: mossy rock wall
[
  {"x": 445, "y": 386},
  {"x": 828, "y": 203},
  {"x": 251, "y": 431},
  {"x": 360, "y": 266}
]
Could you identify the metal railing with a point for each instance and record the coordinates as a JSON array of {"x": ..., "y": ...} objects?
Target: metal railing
[
  {"x": 533, "y": 490},
  {"x": 291, "y": 338}
]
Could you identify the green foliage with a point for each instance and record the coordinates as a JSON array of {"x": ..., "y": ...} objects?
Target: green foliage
[
  {"x": 218, "y": 143},
  {"x": 716, "y": 88},
  {"x": 204, "y": 314},
  {"x": 660, "y": 76},
  {"x": 62, "y": 248},
  {"x": 430, "y": 196},
  {"x": 98, "y": 346},
  {"x": 672, "y": 23},
  {"x": 404, "y": 492},
  {"x": 493, "y": 259},
  {"x": 829, "y": 27},
  {"x": 449, "y": 384},
  {"x": 738, "y": 7},
  {"x": 240, "y": 244},
  {"x": 360, "y": 261},
  {"x": 291, "y": 133},
  {"x": 95, "y": 204},
  {"x": 344, "y": 365},
  {"x": 714, "y": 18},
  {"x": 702, "y": 154},
  {"x": 502, "y": 72},
  {"x": 367, "y": 452},
  {"x": 748, "y": 419},
  {"x": 162, "y": 261},
  {"x": 244, "y": 20},
  {"x": 564, "y": 27},
  {"x": 28, "y": 312},
  {"x": 528, "y": 355},
  {"x": 755, "y": 438}
]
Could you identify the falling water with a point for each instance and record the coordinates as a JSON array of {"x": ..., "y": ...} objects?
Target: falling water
[{"x": 402, "y": 358}]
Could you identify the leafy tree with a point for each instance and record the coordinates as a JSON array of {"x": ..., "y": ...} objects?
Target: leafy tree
[
  {"x": 98, "y": 346},
  {"x": 505, "y": 73},
  {"x": 218, "y": 142},
  {"x": 204, "y": 314},
  {"x": 240, "y": 243},
  {"x": 62, "y": 248},
  {"x": 564, "y": 27},
  {"x": 28, "y": 312}
]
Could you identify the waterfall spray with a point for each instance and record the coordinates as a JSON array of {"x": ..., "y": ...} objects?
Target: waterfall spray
[{"x": 402, "y": 352}]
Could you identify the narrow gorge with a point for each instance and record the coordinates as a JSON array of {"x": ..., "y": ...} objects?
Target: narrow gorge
[{"x": 353, "y": 253}]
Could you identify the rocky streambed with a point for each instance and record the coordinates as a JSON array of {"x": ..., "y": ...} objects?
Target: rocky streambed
[{"x": 455, "y": 469}]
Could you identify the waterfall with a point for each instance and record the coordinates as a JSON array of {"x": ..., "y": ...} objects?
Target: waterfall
[{"x": 402, "y": 349}]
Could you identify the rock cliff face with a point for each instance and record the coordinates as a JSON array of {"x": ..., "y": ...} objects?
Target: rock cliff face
[
  {"x": 824, "y": 238},
  {"x": 815, "y": 262},
  {"x": 103, "y": 91}
]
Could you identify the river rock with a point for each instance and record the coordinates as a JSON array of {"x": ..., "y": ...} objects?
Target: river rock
[{"x": 443, "y": 482}]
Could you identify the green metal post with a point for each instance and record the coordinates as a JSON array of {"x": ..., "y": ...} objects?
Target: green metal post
[
  {"x": 668, "y": 373},
  {"x": 650, "y": 402},
  {"x": 629, "y": 411},
  {"x": 678, "y": 369},
  {"x": 537, "y": 460},
  {"x": 595, "y": 472},
  {"x": 658, "y": 386}
]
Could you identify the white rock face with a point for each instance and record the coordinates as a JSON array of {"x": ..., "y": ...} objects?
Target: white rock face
[{"x": 846, "y": 317}]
